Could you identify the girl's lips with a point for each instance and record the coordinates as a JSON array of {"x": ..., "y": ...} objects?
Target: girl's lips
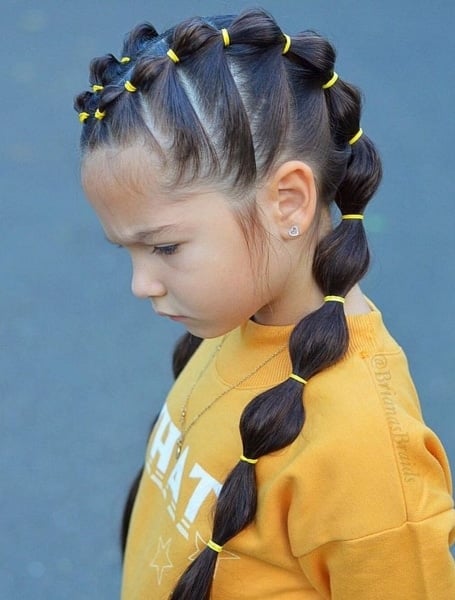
[{"x": 172, "y": 317}]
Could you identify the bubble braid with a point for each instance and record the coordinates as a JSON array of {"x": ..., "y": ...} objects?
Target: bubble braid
[{"x": 231, "y": 113}]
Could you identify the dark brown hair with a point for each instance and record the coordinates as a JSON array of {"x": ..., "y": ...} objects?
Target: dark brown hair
[{"x": 231, "y": 114}]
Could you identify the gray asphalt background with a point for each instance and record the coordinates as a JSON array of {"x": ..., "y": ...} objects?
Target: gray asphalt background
[{"x": 83, "y": 365}]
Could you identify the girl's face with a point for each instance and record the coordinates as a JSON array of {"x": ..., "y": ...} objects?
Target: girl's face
[{"x": 188, "y": 251}]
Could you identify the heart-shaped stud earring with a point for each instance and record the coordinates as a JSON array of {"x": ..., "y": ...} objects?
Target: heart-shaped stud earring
[{"x": 294, "y": 231}]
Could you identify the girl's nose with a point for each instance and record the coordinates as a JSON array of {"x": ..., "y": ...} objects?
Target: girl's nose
[{"x": 145, "y": 283}]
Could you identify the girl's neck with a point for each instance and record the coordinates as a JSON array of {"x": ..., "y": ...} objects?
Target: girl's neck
[
  {"x": 356, "y": 303},
  {"x": 292, "y": 311}
]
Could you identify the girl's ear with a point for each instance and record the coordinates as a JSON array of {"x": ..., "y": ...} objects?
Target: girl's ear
[{"x": 291, "y": 198}]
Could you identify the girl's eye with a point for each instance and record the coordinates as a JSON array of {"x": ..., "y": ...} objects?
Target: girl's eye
[{"x": 165, "y": 250}]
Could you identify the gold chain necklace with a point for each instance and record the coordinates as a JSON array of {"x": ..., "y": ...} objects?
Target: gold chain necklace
[{"x": 184, "y": 410}]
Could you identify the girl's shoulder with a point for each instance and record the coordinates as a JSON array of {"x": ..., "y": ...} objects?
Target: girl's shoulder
[
  {"x": 365, "y": 459},
  {"x": 373, "y": 375}
]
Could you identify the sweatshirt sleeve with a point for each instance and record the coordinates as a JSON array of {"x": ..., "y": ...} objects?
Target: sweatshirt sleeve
[
  {"x": 380, "y": 516},
  {"x": 411, "y": 561}
]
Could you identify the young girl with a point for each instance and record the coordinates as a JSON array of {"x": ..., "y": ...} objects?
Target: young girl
[{"x": 290, "y": 460}]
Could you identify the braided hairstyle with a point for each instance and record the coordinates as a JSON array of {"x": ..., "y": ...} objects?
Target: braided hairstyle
[{"x": 230, "y": 106}]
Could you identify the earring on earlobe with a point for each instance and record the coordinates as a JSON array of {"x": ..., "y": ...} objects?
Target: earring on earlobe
[{"x": 294, "y": 231}]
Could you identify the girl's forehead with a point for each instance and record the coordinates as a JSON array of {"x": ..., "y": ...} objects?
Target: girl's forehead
[
  {"x": 124, "y": 166},
  {"x": 124, "y": 190},
  {"x": 134, "y": 169},
  {"x": 125, "y": 187}
]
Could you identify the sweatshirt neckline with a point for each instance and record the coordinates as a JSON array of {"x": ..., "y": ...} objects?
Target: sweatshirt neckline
[
  {"x": 252, "y": 343},
  {"x": 363, "y": 332}
]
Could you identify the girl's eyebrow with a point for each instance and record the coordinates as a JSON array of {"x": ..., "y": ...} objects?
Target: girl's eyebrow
[{"x": 141, "y": 236}]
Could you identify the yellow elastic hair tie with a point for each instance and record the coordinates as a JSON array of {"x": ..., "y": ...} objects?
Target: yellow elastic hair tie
[
  {"x": 251, "y": 461},
  {"x": 334, "y": 299},
  {"x": 349, "y": 217},
  {"x": 83, "y": 116},
  {"x": 357, "y": 137},
  {"x": 287, "y": 45},
  {"x": 331, "y": 81},
  {"x": 173, "y": 56},
  {"x": 298, "y": 378},
  {"x": 214, "y": 546},
  {"x": 226, "y": 38},
  {"x": 97, "y": 88},
  {"x": 100, "y": 114},
  {"x": 130, "y": 87},
  {"x": 125, "y": 59}
]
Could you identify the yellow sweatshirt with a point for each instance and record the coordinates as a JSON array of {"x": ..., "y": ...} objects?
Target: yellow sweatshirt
[{"x": 358, "y": 507}]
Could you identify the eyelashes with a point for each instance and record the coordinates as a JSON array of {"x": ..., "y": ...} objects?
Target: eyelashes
[{"x": 165, "y": 250}]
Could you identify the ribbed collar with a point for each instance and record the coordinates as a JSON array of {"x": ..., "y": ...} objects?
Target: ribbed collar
[{"x": 251, "y": 344}]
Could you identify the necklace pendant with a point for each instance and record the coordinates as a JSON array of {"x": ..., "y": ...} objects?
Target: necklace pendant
[{"x": 178, "y": 450}]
